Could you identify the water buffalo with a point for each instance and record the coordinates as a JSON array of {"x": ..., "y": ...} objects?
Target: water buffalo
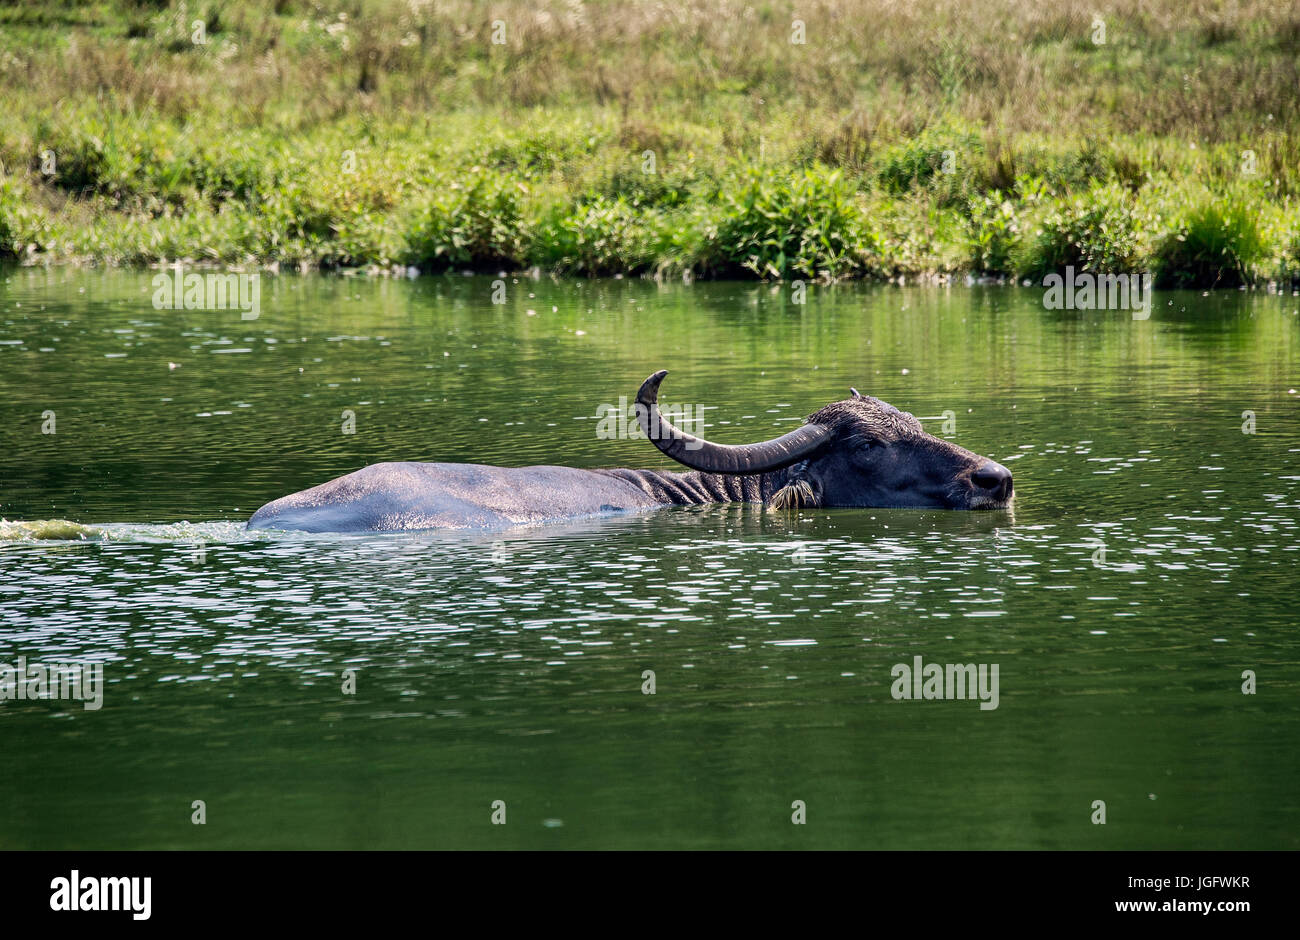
[{"x": 855, "y": 452}]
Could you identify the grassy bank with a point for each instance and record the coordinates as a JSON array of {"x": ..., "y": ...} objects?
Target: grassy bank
[{"x": 667, "y": 138}]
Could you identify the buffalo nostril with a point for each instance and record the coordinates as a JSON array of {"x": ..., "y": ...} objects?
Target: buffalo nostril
[{"x": 994, "y": 477}]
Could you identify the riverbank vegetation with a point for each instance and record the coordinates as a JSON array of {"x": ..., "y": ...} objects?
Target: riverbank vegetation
[{"x": 708, "y": 138}]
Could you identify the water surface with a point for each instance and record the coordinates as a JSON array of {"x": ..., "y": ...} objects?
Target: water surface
[{"x": 1150, "y": 560}]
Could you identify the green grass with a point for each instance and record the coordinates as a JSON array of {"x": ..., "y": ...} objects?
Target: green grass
[
  {"x": 1218, "y": 241},
  {"x": 648, "y": 138}
]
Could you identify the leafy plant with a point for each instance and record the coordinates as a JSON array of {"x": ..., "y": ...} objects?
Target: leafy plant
[
  {"x": 1103, "y": 230},
  {"x": 995, "y": 228},
  {"x": 476, "y": 221},
  {"x": 1217, "y": 242},
  {"x": 602, "y": 236},
  {"x": 776, "y": 225}
]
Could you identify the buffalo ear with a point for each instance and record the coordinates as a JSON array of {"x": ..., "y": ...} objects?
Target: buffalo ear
[
  {"x": 799, "y": 491},
  {"x": 856, "y": 393}
]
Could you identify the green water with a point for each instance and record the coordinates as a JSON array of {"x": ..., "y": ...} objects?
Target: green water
[{"x": 509, "y": 666}]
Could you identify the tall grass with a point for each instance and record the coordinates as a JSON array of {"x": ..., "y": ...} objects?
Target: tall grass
[
  {"x": 1217, "y": 241},
  {"x": 657, "y": 136}
]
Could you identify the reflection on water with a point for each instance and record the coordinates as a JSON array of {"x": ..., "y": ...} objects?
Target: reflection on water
[{"x": 1148, "y": 564}]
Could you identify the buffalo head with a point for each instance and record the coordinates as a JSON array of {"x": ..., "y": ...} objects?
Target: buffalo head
[{"x": 856, "y": 452}]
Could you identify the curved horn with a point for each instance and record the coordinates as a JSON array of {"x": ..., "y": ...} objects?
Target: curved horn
[{"x": 699, "y": 454}]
